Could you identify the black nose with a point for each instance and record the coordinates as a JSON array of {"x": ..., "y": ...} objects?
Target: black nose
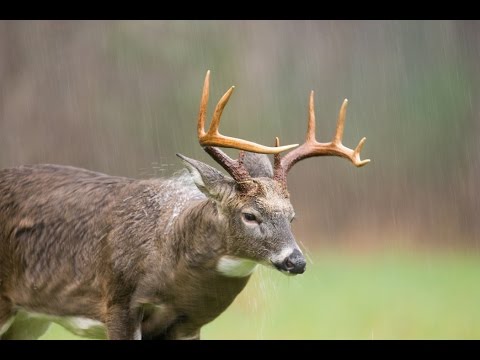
[{"x": 295, "y": 263}]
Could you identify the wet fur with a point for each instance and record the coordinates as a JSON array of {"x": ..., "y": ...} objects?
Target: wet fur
[{"x": 128, "y": 253}]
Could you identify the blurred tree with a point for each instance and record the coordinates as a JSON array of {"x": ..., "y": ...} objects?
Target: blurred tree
[{"x": 121, "y": 97}]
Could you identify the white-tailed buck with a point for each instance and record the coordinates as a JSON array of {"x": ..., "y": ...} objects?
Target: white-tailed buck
[{"x": 114, "y": 257}]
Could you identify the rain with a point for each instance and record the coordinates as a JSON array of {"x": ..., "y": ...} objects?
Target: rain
[{"x": 392, "y": 248}]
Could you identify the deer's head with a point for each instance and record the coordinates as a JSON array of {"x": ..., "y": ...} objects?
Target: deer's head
[{"x": 254, "y": 204}]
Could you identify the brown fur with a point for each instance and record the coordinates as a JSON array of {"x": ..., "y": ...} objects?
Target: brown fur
[{"x": 127, "y": 252}]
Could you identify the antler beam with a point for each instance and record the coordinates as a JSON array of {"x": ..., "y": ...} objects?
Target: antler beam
[{"x": 313, "y": 148}]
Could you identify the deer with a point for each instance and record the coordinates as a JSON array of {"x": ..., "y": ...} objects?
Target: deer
[{"x": 118, "y": 258}]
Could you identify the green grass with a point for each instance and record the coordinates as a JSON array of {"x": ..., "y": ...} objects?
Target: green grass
[{"x": 375, "y": 296}]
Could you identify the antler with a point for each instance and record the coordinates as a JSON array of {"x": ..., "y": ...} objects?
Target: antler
[
  {"x": 235, "y": 168},
  {"x": 213, "y": 138},
  {"x": 313, "y": 148}
]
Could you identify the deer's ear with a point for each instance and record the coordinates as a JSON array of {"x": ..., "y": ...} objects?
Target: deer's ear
[
  {"x": 258, "y": 165},
  {"x": 209, "y": 180}
]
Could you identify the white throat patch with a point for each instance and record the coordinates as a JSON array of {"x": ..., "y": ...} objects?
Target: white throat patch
[{"x": 232, "y": 266}]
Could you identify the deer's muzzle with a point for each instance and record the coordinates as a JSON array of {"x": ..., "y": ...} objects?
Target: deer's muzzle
[{"x": 293, "y": 264}]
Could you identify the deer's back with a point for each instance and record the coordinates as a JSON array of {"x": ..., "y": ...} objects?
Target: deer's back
[{"x": 61, "y": 211}]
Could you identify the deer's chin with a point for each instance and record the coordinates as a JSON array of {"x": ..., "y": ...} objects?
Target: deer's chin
[{"x": 284, "y": 272}]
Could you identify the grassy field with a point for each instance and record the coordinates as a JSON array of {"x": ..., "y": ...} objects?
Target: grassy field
[{"x": 374, "y": 296}]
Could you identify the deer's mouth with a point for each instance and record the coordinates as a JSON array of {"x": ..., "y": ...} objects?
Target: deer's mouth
[{"x": 293, "y": 264}]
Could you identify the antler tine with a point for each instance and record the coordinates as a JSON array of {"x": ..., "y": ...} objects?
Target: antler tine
[
  {"x": 337, "y": 139},
  {"x": 311, "y": 120},
  {"x": 217, "y": 114},
  {"x": 352, "y": 155},
  {"x": 277, "y": 159},
  {"x": 213, "y": 138},
  {"x": 313, "y": 148},
  {"x": 203, "y": 106}
]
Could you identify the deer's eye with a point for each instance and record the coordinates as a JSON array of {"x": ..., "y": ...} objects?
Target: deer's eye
[{"x": 250, "y": 217}]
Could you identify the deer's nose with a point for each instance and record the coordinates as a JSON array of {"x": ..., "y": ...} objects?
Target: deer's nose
[{"x": 294, "y": 263}]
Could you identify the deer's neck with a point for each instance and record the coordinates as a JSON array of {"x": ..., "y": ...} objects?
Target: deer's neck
[
  {"x": 204, "y": 237},
  {"x": 190, "y": 248},
  {"x": 201, "y": 235}
]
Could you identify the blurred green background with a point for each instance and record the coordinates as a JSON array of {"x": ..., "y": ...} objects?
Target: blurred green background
[{"x": 393, "y": 247}]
